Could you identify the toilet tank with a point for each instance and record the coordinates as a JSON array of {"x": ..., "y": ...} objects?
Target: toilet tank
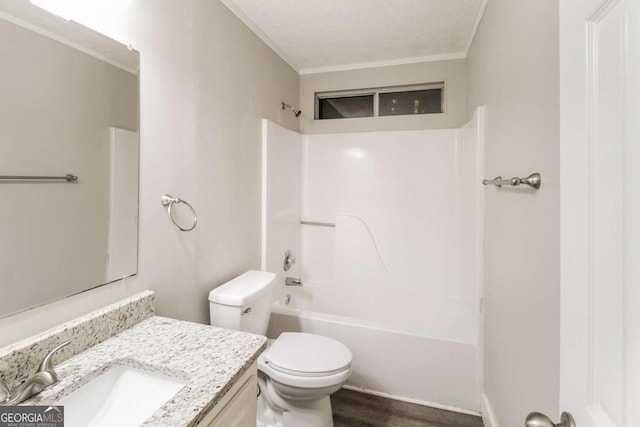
[{"x": 243, "y": 303}]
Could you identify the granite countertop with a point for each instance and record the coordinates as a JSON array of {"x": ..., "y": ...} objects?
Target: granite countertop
[{"x": 210, "y": 359}]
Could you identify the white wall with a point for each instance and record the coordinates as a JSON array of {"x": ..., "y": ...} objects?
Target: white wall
[
  {"x": 206, "y": 81},
  {"x": 513, "y": 71},
  {"x": 451, "y": 72}
]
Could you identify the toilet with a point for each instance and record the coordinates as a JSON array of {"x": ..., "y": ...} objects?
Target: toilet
[{"x": 298, "y": 371}]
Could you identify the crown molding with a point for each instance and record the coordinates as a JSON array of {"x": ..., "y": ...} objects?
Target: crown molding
[
  {"x": 355, "y": 66},
  {"x": 262, "y": 36},
  {"x": 476, "y": 25},
  {"x": 375, "y": 64}
]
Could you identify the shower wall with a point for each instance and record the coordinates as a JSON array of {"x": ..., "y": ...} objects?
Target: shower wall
[
  {"x": 281, "y": 193},
  {"x": 405, "y": 208}
]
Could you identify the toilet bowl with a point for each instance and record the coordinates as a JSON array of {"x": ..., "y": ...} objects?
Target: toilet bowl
[
  {"x": 305, "y": 366},
  {"x": 298, "y": 371}
]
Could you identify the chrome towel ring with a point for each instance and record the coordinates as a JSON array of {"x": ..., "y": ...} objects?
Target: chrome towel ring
[{"x": 168, "y": 201}]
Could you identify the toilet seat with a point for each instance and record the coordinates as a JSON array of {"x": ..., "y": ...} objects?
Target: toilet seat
[
  {"x": 306, "y": 360},
  {"x": 298, "y": 353}
]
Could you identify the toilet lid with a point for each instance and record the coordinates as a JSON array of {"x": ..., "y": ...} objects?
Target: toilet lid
[{"x": 304, "y": 354}]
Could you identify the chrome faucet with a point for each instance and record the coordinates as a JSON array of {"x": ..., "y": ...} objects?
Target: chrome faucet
[
  {"x": 33, "y": 385},
  {"x": 292, "y": 281}
]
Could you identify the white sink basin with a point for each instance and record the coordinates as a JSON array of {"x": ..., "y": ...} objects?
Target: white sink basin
[{"x": 122, "y": 396}]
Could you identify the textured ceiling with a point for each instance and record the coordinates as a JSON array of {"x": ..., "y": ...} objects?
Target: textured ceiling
[{"x": 317, "y": 35}]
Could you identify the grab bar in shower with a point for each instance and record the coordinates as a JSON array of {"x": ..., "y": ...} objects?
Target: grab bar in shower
[{"x": 319, "y": 224}]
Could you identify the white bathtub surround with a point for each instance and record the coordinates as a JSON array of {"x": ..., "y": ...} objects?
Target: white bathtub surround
[
  {"x": 471, "y": 223},
  {"x": 209, "y": 359},
  {"x": 398, "y": 278},
  {"x": 396, "y": 199},
  {"x": 281, "y": 170},
  {"x": 22, "y": 359}
]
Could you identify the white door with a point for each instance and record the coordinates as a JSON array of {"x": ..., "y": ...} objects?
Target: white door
[{"x": 600, "y": 211}]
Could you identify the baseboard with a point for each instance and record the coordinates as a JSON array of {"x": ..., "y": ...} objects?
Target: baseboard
[
  {"x": 488, "y": 416},
  {"x": 416, "y": 401}
]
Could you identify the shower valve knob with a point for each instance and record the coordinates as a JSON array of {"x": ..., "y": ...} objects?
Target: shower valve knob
[{"x": 288, "y": 260}]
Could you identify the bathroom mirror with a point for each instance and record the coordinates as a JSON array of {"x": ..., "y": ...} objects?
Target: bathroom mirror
[{"x": 68, "y": 106}]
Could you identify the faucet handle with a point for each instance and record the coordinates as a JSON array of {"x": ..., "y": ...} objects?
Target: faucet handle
[
  {"x": 47, "y": 364},
  {"x": 288, "y": 260}
]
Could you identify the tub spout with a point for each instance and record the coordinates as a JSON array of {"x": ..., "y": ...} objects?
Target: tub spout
[{"x": 292, "y": 281}]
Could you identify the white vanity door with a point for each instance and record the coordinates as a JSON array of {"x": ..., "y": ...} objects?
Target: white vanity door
[
  {"x": 241, "y": 410},
  {"x": 238, "y": 406}
]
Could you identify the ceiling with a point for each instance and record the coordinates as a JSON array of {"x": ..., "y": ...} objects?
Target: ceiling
[{"x": 329, "y": 35}]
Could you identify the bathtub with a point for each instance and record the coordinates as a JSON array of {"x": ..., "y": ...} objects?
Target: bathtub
[{"x": 418, "y": 348}]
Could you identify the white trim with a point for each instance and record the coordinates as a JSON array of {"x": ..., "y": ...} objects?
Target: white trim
[
  {"x": 386, "y": 63},
  {"x": 263, "y": 195},
  {"x": 262, "y": 36},
  {"x": 488, "y": 416},
  {"x": 476, "y": 25},
  {"x": 384, "y": 89},
  {"x": 416, "y": 401},
  {"x": 481, "y": 123},
  {"x": 38, "y": 30},
  {"x": 356, "y": 66}
]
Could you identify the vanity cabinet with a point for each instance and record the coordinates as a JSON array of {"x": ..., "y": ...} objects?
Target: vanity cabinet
[{"x": 238, "y": 407}]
